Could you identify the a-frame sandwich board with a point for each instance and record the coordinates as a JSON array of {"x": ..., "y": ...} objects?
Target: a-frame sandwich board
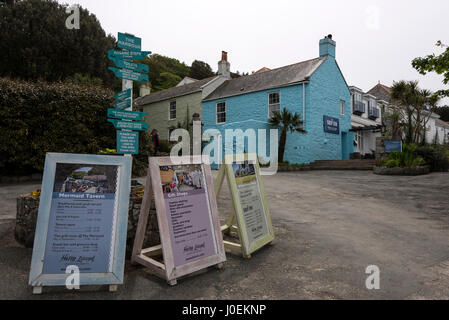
[
  {"x": 250, "y": 216},
  {"x": 187, "y": 215}
]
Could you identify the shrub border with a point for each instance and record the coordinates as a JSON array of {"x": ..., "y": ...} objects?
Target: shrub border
[{"x": 416, "y": 171}]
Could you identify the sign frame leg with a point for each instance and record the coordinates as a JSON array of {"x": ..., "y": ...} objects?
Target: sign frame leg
[
  {"x": 231, "y": 224},
  {"x": 144, "y": 256},
  {"x": 37, "y": 290}
]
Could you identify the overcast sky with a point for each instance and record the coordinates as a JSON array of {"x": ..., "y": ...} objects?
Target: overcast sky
[{"x": 376, "y": 39}]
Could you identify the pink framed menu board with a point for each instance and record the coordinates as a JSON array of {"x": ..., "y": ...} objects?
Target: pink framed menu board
[{"x": 188, "y": 220}]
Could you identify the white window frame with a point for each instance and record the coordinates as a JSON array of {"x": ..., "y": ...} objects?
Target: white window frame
[
  {"x": 169, "y": 110},
  {"x": 216, "y": 112},
  {"x": 270, "y": 93},
  {"x": 342, "y": 107}
]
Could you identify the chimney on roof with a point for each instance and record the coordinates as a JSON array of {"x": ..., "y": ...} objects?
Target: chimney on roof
[
  {"x": 144, "y": 90},
  {"x": 327, "y": 46},
  {"x": 224, "y": 67},
  {"x": 224, "y": 56}
]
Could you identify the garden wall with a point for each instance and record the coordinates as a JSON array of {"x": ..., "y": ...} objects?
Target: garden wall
[{"x": 27, "y": 211}]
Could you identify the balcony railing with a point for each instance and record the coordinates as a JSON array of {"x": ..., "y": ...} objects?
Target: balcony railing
[
  {"x": 359, "y": 108},
  {"x": 373, "y": 113}
]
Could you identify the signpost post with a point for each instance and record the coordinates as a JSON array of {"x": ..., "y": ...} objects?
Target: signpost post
[
  {"x": 129, "y": 55},
  {"x": 128, "y": 71},
  {"x": 129, "y": 125},
  {"x": 250, "y": 217},
  {"x": 129, "y": 75},
  {"x": 133, "y": 66},
  {"x": 123, "y": 105},
  {"x": 126, "y": 115},
  {"x": 122, "y": 96},
  {"x": 129, "y": 42},
  {"x": 127, "y": 142}
]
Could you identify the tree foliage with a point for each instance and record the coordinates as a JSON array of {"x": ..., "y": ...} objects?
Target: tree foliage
[
  {"x": 165, "y": 72},
  {"x": 416, "y": 105},
  {"x": 41, "y": 117},
  {"x": 200, "y": 70},
  {"x": 443, "y": 112},
  {"x": 166, "y": 80},
  {"x": 435, "y": 63},
  {"x": 37, "y": 45}
]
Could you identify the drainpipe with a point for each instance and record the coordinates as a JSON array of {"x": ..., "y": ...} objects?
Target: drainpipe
[{"x": 304, "y": 104}]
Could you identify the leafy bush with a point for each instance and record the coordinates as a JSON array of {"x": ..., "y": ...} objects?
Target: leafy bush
[
  {"x": 165, "y": 146},
  {"x": 140, "y": 161},
  {"x": 435, "y": 156},
  {"x": 41, "y": 117},
  {"x": 408, "y": 158}
]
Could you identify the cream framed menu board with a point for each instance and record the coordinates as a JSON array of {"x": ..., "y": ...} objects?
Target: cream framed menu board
[
  {"x": 250, "y": 216},
  {"x": 82, "y": 221},
  {"x": 187, "y": 215}
]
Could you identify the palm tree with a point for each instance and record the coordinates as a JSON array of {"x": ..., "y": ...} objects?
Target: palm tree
[
  {"x": 408, "y": 96},
  {"x": 288, "y": 122},
  {"x": 428, "y": 102},
  {"x": 404, "y": 94}
]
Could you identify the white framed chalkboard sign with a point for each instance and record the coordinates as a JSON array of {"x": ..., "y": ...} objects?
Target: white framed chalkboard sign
[
  {"x": 82, "y": 221},
  {"x": 250, "y": 216}
]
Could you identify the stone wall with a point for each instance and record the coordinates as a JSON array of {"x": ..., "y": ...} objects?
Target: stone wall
[
  {"x": 27, "y": 211},
  {"x": 416, "y": 171},
  {"x": 36, "y": 177}
]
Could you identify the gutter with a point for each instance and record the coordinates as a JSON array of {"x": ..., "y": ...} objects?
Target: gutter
[{"x": 304, "y": 104}]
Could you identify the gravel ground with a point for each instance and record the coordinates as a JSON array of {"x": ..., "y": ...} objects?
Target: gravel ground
[{"x": 329, "y": 226}]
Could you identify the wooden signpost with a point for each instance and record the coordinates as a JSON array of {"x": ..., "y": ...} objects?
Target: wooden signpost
[
  {"x": 82, "y": 221},
  {"x": 187, "y": 214},
  {"x": 250, "y": 216},
  {"x": 128, "y": 71}
]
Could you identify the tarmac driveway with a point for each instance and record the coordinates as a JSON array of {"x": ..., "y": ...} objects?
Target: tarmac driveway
[{"x": 329, "y": 225}]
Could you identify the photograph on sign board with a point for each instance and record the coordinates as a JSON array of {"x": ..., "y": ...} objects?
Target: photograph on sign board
[
  {"x": 85, "y": 179},
  {"x": 83, "y": 209},
  {"x": 251, "y": 200},
  {"x": 244, "y": 172},
  {"x": 188, "y": 213},
  {"x": 181, "y": 178}
]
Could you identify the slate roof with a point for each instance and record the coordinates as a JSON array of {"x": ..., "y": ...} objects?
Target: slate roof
[
  {"x": 276, "y": 78},
  {"x": 381, "y": 92},
  {"x": 173, "y": 92}
]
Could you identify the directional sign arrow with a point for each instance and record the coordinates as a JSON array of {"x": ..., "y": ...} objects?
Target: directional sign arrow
[
  {"x": 130, "y": 75},
  {"x": 129, "y": 42},
  {"x": 130, "y": 55},
  {"x": 127, "y": 142},
  {"x": 124, "y": 64},
  {"x": 127, "y": 115},
  {"x": 125, "y": 104},
  {"x": 129, "y": 125},
  {"x": 121, "y": 96}
]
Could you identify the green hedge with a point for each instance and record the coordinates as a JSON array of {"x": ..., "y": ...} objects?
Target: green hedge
[
  {"x": 436, "y": 156},
  {"x": 36, "y": 118}
]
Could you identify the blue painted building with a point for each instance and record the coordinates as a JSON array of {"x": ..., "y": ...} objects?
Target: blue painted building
[{"x": 316, "y": 89}]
